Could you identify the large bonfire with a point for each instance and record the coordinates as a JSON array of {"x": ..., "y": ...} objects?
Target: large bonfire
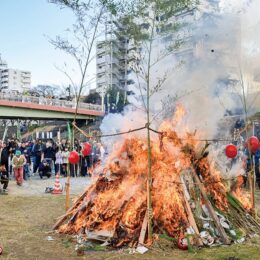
[{"x": 189, "y": 197}]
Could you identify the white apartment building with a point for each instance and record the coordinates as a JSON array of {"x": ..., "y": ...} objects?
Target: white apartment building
[
  {"x": 111, "y": 59},
  {"x": 3, "y": 66},
  {"x": 14, "y": 79}
]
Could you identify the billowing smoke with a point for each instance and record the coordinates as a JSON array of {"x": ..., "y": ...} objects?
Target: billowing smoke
[{"x": 204, "y": 74}]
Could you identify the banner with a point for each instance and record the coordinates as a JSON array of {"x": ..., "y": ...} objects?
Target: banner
[
  {"x": 18, "y": 133},
  {"x": 69, "y": 133}
]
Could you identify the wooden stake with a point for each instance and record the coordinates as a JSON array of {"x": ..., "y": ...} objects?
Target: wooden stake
[
  {"x": 144, "y": 229},
  {"x": 81, "y": 131},
  {"x": 190, "y": 214},
  {"x": 252, "y": 191},
  {"x": 211, "y": 210},
  {"x": 69, "y": 211},
  {"x": 149, "y": 188},
  {"x": 67, "y": 203}
]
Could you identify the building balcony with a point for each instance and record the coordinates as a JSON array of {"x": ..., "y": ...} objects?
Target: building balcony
[
  {"x": 101, "y": 69},
  {"x": 26, "y": 72},
  {"x": 101, "y": 50},
  {"x": 101, "y": 81},
  {"x": 4, "y": 74},
  {"x": 107, "y": 59}
]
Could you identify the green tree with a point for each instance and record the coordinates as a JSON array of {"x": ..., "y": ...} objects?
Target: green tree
[{"x": 93, "y": 98}]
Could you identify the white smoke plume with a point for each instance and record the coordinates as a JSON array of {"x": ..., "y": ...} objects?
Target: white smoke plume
[{"x": 207, "y": 83}]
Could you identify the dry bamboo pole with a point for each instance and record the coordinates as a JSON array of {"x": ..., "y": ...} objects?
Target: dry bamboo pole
[
  {"x": 252, "y": 174},
  {"x": 143, "y": 229},
  {"x": 69, "y": 211},
  {"x": 190, "y": 214},
  {"x": 211, "y": 210},
  {"x": 67, "y": 185}
]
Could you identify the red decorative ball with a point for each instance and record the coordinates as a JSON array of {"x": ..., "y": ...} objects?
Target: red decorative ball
[
  {"x": 231, "y": 151},
  {"x": 73, "y": 157},
  {"x": 182, "y": 243},
  {"x": 252, "y": 144},
  {"x": 1, "y": 250},
  {"x": 87, "y": 149}
]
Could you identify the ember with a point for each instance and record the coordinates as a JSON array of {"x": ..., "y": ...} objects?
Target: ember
[{"x": 188, "y": 195}]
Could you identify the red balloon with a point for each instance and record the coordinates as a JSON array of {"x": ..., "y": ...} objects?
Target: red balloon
[
  {"x": 87, "y": 149},
  {"x": 231, "y": 151},
  {"x": 252, "y": 144},
  {"x": 73, "y": 157}
]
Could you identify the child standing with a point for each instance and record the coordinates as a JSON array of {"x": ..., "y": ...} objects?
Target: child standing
[
  {"x": 59, "y": 162},
  {"x": 18, "y": 162},
  {"x": 65, "y": 161},
  {"x": 26, "y": 167}
]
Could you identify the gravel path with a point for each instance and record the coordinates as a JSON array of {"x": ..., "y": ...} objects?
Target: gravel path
[{"x": 36, "y": 186}]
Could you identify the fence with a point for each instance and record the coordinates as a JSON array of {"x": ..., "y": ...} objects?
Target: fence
[{"x": 49, "y": 101}]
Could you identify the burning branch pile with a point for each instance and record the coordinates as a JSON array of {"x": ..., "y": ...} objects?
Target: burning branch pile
[{"x": 188, "y": 196}]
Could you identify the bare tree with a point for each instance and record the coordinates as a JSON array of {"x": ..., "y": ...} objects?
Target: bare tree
[
  {"x": 43, "y": 90},
  {"x": 85, "y": 31},
  {"x": 147, "y": 23}
]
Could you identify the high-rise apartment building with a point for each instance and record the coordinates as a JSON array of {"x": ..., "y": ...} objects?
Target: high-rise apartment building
[
  {"x": 195, "y": 41},
  {"x": 111, "y": 59}
]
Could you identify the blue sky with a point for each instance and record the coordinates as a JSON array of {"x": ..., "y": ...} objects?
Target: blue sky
[{"x": 25, "y": 25}]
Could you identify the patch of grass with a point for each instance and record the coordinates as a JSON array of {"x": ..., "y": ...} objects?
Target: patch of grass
[{"x": 27, "y": 221}]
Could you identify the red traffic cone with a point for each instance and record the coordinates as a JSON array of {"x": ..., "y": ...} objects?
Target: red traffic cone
[{"x": 57, "y": 186}]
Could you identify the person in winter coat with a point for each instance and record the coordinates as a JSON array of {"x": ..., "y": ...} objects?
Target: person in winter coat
[
  {"x": 58, "y": 162},
  {"x": 65, "y": 159},
  {"x": 44, "y": 169},
  {"x": 49, "y": 154},
  {"x": 26, "y": 168},
  {"x": 18, "y": 162},
  {"x": 4, "y": 177},
  {"x": 37, "y": 151},
  {"x": 5, "y": 156}
]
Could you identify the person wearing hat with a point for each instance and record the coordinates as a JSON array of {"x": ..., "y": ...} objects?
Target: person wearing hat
[{"x": 18, "y": 162}]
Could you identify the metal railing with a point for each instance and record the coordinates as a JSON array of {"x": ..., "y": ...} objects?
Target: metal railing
[{"x": 49, "y": 101}]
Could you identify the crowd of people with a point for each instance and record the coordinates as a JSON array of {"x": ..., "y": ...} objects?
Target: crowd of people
[{"x": 25, "y": 159}]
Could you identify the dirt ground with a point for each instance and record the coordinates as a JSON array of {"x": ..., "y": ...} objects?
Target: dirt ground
[
  {"x": 36, "y": 186},
  {"x": 27, "y": 215}
]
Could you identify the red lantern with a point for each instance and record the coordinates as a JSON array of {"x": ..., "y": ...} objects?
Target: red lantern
[
  {"x": 87, "y": 149},
  {"x": 231, "y": 151},
  {"x": 73, "y": 157},
  {"x": 252, "y": 143}
]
